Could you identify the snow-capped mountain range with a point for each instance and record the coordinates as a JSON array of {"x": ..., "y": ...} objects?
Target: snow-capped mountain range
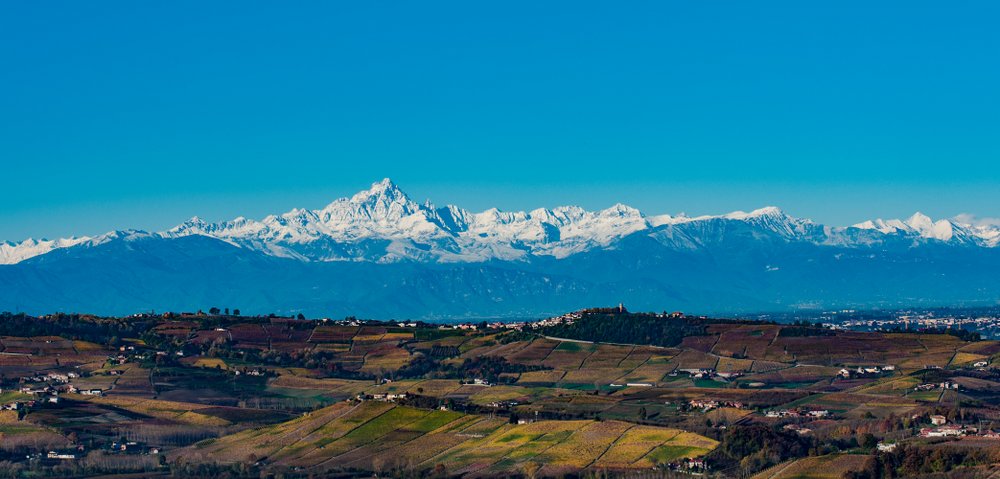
[
  {"x": 383, "y": 225},
  {"x": 380, "y": 254}
]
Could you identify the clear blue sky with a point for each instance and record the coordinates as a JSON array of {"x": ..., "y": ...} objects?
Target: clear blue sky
[{"x": 142, "y": 114}]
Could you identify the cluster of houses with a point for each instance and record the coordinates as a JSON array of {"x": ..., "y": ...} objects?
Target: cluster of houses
[
  {"x": 865, "y": 371},
  {"x": 478, "y": 382},
  {"x": 690, "y": 465},
  {"x": 567, "y": 318},
  {"x": 120, "y": 358},
  {"x": 50, "y": 394},
  {"x": 709, "y": 404},
  {"x": 61, "y": 455},
  {"x": 941, "y": 428},
  {"x": 707, "y": 373},
  {"x": 930, "y": 386},
  {"x": 460, "y": 326},
  {"x": 47, "y": 387},
  {"x": 384, "y": 397},
  {"x": 950, "y": 430},
  {"x": 784, "y": 413},
  {"x": 116, "y": 447},
  {"x": 58, "y": 378}
]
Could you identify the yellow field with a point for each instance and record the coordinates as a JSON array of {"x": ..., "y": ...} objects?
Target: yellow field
[
  {"x": 345, "y": 386},
  {"x": 86, "y": 346},
  {"x": 585, "y": 445},
  {"x": 368, "y": 338},
  {"x": 386, "y": 361},
  {"x": 500, "y": 393},
  {"x": 8, "y": 417},
  {"x": 683, "y": 445},
  {"x": 592, "y": 375},
  {"x": 690, "y": 359},
  {"x": 635, "y": 444},
  {"x": 941, "y": 359},
  {"x": 333, "y": 347},
  {"x": 733, "y": 364},
  {"x": 197, "y": 419},
  {"x": 476, "y": 342},
  {"x": 541, "y": 376},
  {"x": 397, "y": 336},
  {"x": 210, "y": 363},
  {"x": 967, "y": 359},
  {"x": 898, "y": 386},
  {"x": 647, "y": 373},
  {"x": 177, "y": 411}
]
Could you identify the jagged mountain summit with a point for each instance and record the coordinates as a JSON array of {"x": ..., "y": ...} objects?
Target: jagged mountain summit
[{"x": 384, "y": 225}]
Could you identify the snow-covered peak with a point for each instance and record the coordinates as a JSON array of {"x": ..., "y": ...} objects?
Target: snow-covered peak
[
  {"x": 126, "y": 235},
  {"x": 928, "y": 228},
  {"x": 384, "y": 203},
  {"x": 381, "y": 191},
  {"x": 193, "y": 224},
  {"x": 924, "y": 227},
  {"x": 765, "y": 212},
  {"x": 621, "y": 211},
  {"x": 882, "y": 226}
]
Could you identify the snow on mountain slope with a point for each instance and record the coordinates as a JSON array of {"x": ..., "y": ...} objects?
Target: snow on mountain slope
[
  {"x": 921, "y": 226},
  {"x": 382, "y": 224},
  {"x": 11, "y": 253}
]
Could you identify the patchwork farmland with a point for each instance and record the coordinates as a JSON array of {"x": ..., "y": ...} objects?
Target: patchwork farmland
[
  {"x": 383, "y": 437},
  {"x": 299, "y": 398}
]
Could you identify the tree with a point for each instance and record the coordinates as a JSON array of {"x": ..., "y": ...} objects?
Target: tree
[
  {"x": 868, "y": 441},
  {"x": 236, "y": 312},
  {"x": 300, "y": 317},
  {"x": 213, "y": 311}
]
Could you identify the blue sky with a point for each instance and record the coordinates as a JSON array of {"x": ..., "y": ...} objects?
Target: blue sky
[{"x": 138, "y": 114}]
